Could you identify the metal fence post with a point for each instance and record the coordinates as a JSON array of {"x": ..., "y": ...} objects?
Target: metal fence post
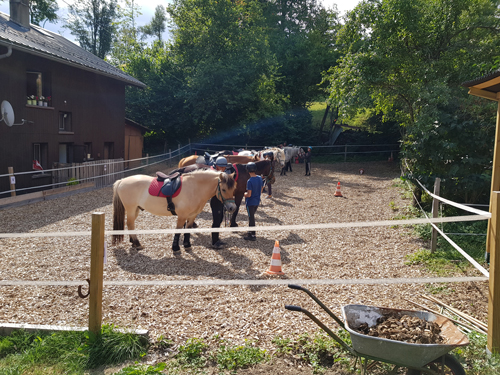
[{"x": 435, "y": 214}]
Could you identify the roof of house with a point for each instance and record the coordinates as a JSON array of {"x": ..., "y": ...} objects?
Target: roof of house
[
  {"x": 130, "y": 122},
  {"x": 45, "y": 43},
  {"x": 489, "y": 82}
]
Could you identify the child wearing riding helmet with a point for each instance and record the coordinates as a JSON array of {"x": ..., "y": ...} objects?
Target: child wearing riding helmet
[
  {"x": 252, "y": 198},
  {"x": 221, "y": 165}
]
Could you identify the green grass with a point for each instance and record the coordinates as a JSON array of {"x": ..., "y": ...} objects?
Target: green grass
[
  {"x": 67, "y": 352},
  {"x": 317, "y": 110}
]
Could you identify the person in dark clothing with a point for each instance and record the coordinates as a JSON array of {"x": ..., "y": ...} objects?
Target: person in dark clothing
[
  {"x": 288, "y": 165},
  {"x": 252, "y": 198},
  {"x": 217, "y": 206},
  {"x": 307, "y": 161}
]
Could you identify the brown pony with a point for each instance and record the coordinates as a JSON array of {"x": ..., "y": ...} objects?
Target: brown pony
[
  {"x": 130, "y": 195},
  {"x": 188, "y": 160}
]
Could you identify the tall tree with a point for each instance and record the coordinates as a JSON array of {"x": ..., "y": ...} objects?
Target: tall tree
[
  {"x": 158, "y": 23},
  {"x": 302, "y": 36},
  {"x": 126, "y": 42},
  {"x": 92, "y": 22},
  {"x": 229, "y": 68},
  {"x": 407, "y": 59},
  {"x": 42, "y": 11}
]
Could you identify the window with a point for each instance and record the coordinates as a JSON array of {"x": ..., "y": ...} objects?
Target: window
[
  {"x": 65, "y": 122},
  {"x": 40, "y": 154},
  {"x": 37, "y": 85}
]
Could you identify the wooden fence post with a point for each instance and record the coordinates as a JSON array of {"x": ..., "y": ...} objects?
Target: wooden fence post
[
  {"x": 96, "y": 273},
  {"x": 12, "y": 186},
  {"x": 435, "y": 213},
  {"x": 494, "y": 292}
]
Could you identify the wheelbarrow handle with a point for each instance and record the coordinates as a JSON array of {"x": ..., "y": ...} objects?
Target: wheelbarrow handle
[
  {"x": 298, "y": 287},
  {"x": 324, "y": 327}
]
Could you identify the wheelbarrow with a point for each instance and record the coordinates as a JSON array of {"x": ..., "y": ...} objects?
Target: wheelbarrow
[{"x": 417, "y": 358}]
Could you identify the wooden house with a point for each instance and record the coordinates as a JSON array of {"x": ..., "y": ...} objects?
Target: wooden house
[
  {"x": 80, "y": 110},
  {"x": 134, "y": 142}
]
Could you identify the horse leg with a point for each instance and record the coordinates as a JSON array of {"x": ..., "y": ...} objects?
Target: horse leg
[
  {"x": 131, "y": 226},
  {"x": 187, "y": 236},
  {"x": 175, "y": 245}
]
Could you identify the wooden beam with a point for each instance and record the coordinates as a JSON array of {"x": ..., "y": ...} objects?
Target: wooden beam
[
  {"x": 494, "y": 289},
  {"x": 489, "y": 83},
  {"x": 483, "y": 94},
  {"x": 96, "y": 273}
]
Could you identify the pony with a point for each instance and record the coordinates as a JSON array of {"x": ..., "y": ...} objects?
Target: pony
[
  {"x": 264, "y": 169},
  {"x": 230, "y": 159},
  {"x": 247, "y": 153},
  {"x": 278, "y": 153},
  {"x": 131, "y": 194},
  {"x": 290, "y": 154}
]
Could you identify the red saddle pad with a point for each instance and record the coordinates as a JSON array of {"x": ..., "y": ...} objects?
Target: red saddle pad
[{"x": 155, "y": 189}]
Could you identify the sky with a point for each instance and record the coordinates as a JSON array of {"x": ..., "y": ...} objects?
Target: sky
[{"x": 148, "y": 9}]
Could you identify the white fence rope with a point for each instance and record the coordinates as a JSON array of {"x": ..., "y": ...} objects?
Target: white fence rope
[
  {"x": 450, "y": 241},
  {"x": 420, "y": 280},
  {"x": 356, "y": 224}
]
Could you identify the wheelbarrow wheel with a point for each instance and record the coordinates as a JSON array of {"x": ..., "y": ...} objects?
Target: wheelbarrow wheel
[{"x": 451, "y": 367}]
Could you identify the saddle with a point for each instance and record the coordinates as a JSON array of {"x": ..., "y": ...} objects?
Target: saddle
[
  {"x": 166, "y": 186},
  {"x": 209, "y": 159}
]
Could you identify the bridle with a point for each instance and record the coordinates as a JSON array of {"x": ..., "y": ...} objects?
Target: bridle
[{"x": 218, "y": 193}]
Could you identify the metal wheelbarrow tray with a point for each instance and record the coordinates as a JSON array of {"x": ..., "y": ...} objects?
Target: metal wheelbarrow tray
[
  {"x": 399, "y": 353},
  {"x": 409, "y": 354}
]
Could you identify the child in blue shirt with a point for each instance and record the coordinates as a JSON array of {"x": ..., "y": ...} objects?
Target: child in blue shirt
[{"x": 252, "y": 198}]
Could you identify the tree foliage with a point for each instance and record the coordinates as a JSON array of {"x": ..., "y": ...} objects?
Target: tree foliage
[
  {"x": 92, "y": 22},
  {"x": 157, "y": 26},
  {"x": 42, "y": 11},
  {"x": 407, "y": 59}
]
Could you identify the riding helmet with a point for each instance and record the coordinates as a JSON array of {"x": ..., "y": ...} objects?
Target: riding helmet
[
  {"x": 221, "y": 162},
  {"x": 251, "y": 167}
]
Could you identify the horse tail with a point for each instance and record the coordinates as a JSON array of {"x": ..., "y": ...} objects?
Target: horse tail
[{"x": 118, "y": 213}]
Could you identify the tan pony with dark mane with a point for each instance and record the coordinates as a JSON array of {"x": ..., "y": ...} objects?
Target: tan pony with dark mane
[{"x": 131, "y": 195}]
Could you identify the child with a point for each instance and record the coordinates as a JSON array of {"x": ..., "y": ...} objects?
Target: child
[{"x": 252, "y": 198}]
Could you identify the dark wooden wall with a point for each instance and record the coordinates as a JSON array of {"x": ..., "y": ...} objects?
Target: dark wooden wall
[{"x": 96, "y": 103}]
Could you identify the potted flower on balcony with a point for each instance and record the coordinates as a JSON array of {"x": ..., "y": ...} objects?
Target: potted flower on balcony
[
  {"x": 40, "y": 100},
  {"x": 48, "y": 99},
  {"x": 32, "y": 100}
]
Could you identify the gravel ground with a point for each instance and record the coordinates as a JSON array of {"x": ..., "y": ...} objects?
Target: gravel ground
[{"x": 235, "y": 313}]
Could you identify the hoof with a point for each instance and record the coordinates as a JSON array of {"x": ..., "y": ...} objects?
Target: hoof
[
  {"x": 137, "y": 247},
  {"x": 194, "y": 225},
  {"x": 186, "y": 245},
  {"x": 176, "y": 248}
]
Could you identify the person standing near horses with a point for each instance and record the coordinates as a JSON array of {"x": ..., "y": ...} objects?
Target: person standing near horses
[
  {"x": 216, "y": 205},
  {"x": 252, "y": 198},
  {"x": 307, "y": 161},
  {"x": 269, "y": 181}
]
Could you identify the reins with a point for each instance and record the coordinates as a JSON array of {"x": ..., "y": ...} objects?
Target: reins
[{"x": 218, "y": 193}]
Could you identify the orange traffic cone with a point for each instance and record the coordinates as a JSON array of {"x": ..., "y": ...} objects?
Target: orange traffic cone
[
  {"x": 275, "y": 268},
  {"x": 337, "y": 192}
]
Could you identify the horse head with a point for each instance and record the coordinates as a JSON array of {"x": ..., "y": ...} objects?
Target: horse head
[
  {"x": 225, "y": 190},
  {"x": 279, "y": 156}
]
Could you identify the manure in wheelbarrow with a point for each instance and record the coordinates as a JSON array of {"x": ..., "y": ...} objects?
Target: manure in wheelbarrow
[{"x": 402, "y": 327}]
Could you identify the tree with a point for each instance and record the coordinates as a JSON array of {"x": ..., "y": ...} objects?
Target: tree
[
  {"x": 157, "y": 25},
  {"x": 230, "y": 71},
  {"x": 407, "y": 60},
  {"x": 92, "y": 22},
  {"x": 42, "y": 11},
  {"x": 302, "y": 36},
  {"x": 126, "y": 42}
]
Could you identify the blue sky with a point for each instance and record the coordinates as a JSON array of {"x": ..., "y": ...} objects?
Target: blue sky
[{"x": 148, "y": 8}]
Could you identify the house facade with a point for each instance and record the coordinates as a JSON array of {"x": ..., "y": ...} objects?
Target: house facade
[{"x": 69, "y": 104}]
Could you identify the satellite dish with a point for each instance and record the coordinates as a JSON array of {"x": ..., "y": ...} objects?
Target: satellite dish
[{"x": 8, "y": 113}]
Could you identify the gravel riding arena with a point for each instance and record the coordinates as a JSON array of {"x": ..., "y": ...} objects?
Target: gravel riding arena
[{"x": 234, "y": 312}]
